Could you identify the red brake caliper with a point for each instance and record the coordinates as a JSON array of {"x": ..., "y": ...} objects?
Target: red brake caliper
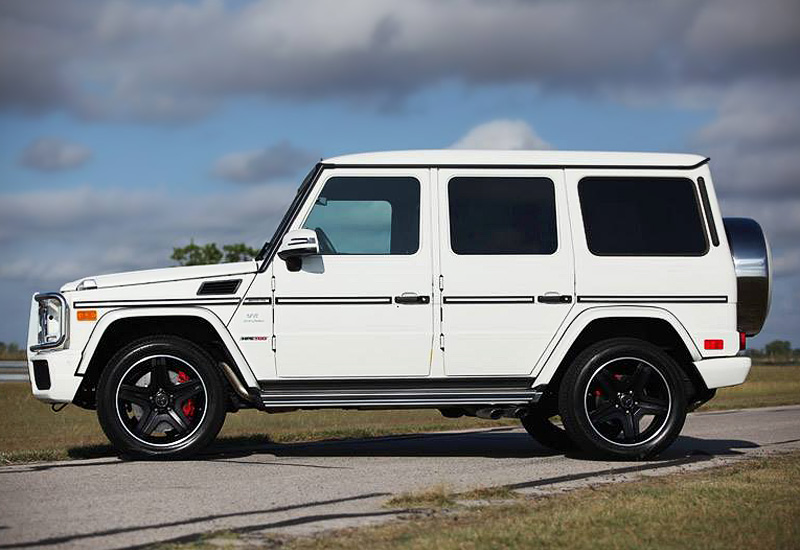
[{"x": 188, "y": 407}]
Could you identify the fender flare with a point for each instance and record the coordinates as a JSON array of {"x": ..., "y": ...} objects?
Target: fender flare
[
  {"x": 554, "y": 355},
  {"x": 240, "y": 363}
]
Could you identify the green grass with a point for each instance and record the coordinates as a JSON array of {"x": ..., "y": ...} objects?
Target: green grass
[
  {"x": 29, "y": 430},
  {"x": 442, "y": 496},
  {"x": 752, "y": 504}
]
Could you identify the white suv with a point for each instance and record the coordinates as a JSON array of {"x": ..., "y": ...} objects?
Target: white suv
[{"x": 604, "y": 288}]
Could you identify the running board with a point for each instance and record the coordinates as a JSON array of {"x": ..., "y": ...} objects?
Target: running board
[{"x": 419, "y": 392}]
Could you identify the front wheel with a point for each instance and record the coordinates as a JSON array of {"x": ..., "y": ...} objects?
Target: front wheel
[
  {"x": 623, "y": 398},
  {"x": 540, "y": 426},
  {"x": 161, "y": 397}
]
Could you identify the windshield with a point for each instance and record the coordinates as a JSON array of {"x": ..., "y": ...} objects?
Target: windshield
[{"x": 287, "y": 217}]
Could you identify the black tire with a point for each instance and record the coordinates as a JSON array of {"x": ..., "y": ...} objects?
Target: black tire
[
  {"x": 161, "y": 397},
  {"x": 539, "y": 424},
  {"x": 623, "y": 398}
]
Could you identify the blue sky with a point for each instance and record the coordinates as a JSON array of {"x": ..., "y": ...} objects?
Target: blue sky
[{"x": 127, "y": 128}]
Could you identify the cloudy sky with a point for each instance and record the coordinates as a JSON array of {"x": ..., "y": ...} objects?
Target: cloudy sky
[{"x": 127, "y": 128}]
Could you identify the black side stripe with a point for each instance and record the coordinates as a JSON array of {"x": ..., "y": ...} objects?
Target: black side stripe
[
  {"x": 489, "y": 299},
  {"x": 655, "y": 299},
  {"x": 164, "y": 302},
  {"x": 332, "y": 300}
]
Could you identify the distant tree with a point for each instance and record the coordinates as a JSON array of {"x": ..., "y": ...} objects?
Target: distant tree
[
  {"x": 193, "y": 254},
  {"x": 778, "y": 348},
  {"x": 11, "y": 350},
  {"x": 238, "y": 252}
]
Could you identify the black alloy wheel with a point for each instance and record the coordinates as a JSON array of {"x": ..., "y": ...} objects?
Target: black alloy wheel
[
  {"x": 627, "y": 401},
  {"x": 161, "y": 397},
  {"x": 623, "y": 398}
]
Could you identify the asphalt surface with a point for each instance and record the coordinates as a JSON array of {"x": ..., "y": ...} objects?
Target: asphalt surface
[{"x": 302, "y": 488}]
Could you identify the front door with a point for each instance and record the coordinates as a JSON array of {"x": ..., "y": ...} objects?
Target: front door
[
  {"x": 506, "y": 265},
  {"x": 363, "y": 307}
]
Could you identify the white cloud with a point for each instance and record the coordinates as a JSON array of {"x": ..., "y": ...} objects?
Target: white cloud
[
  {"x": 279, "y": 161},
  {"x": 95, "y": 231},
  {"x": 52, "y": 154},
  {"x": 501, "y": 134},
  {"x": 754, "y": 140},
  {"x": 167, "y": 61}
]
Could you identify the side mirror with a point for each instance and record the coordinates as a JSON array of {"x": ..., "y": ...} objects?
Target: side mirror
[{"x": 298, "y": 243}]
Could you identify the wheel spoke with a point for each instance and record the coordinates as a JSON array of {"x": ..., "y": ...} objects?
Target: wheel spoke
[
  {"x": 176, "y": 420},
  {"x": 159, "y": 375},
  {"x": 184, "y": 391},
  {"x": 652, "y": 406},
  {"x": 640, "y": 378},
  {"x": 604, "y": 413},
  {"x": 134, "y": 394},
  {"x": 148, "y": 422},
  {"x": 630, "y": 427}
]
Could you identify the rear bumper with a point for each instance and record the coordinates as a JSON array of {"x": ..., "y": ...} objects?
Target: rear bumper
[{"x": 723, "y": 371}]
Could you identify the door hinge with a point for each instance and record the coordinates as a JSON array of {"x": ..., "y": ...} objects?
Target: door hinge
[
  {"x": 272, "y": 283},
  {"x": 441, "y": 342},
  {"x": 441, "y": 282},
  {"x": 274, "y": 343}
]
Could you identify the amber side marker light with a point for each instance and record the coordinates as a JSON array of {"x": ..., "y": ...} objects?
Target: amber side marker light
[
  {"x": 714, "y": 344},
  {"x": 87, "y": 315}
]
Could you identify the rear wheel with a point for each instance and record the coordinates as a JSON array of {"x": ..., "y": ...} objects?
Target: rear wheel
[
  {"x": 623, "y": 398},
  {"x": 161, "y": 397}
]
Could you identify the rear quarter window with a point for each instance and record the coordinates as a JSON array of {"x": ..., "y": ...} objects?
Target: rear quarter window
[{"x": 641, "y": 216}]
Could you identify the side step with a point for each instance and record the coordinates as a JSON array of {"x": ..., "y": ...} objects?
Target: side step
[{"x": 403, "y": 392}]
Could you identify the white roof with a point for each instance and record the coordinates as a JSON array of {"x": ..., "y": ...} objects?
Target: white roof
[{"x": 452, "y": 157}]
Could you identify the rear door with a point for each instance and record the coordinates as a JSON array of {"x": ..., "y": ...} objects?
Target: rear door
[{"x": 506, "y": 265}]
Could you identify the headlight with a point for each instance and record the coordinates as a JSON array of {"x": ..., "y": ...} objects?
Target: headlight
[{"x": 52, "y": 321}]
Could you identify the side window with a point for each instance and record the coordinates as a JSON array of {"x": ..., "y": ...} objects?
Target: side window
[
  {"x": 642, "y": 216},
  {"x": 367, "y": 215},
  {"x": 498, "y": 215}
]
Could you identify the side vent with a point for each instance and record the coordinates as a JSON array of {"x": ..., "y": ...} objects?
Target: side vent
[{"x": 219, "y": 287}]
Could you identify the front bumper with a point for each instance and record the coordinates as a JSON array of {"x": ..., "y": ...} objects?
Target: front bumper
[
  {"x": 59, "y": 384},
  {"x": 723, "y": 371}
]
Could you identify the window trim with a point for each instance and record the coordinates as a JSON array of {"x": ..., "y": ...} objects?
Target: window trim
[
  {"x": 701, "y": 183},
  {"x": 556, "y": 218},
  {"x": 320, "y": 186},
  {"x": 697, "y": 203}
]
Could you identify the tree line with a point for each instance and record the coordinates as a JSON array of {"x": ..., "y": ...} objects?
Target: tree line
[
  {"x": 196, "y": 254},
  {"x": 11, "y": 351},
  {"x": 777, "y": 352}
]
